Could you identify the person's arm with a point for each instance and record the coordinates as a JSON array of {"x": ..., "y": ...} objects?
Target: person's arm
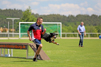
[
  {"x": 28, "y": 32},
  {"x": 78, "y": 30},
  {"x": 84, "y": 31},
  {"x": 44, "y": 32}
]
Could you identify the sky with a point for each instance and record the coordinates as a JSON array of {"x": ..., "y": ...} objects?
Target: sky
[{"x": 63, "y": 7}]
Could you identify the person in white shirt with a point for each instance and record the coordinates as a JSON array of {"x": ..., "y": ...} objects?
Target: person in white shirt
[{"x": 81, "y": 31}]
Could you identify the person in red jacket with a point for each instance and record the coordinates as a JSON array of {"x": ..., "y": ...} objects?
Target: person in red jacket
[{"x": 37, "y": 30}]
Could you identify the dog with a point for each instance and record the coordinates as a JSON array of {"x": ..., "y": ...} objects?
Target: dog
[{"x": 50, "y": 38}]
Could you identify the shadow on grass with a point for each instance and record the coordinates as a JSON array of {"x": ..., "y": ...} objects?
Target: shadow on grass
[
  {"x": 73, "y": 46},
  {"x": 27, "y": 61},
  {"x": 22, "y": 61},
  {"x": 18, "y": 57}
]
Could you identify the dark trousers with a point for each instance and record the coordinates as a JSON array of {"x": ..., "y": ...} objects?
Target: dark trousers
[{"x": 81, "y": 39}]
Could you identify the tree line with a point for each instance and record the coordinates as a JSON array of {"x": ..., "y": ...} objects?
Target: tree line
[{"x": 92, "y": 23}]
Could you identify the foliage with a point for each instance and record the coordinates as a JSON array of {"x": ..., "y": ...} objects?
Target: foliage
[
  {"x": 70, "y": 22},
  {"x": 27, "y": 16}
]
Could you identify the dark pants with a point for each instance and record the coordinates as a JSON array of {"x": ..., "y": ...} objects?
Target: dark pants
[
  {"x": 81, "y": 39},
  {"x": 37, "y": 47}
]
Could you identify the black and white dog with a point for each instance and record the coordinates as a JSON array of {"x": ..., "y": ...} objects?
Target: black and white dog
[{"x": 50, "y": 38}]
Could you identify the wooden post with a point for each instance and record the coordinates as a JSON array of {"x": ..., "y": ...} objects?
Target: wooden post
[
  {"x": 27, "y": 52},
  {"x": 0, "y": 52},
  {"x": 3, "y": 52}
]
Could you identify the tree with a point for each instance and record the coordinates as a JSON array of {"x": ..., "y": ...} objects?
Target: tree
[
  {"x": 27, "y": 16},
  {"x": 91, "y": 29},
  {"x": 98, "y": 28},
  {"x": 64, "y": 28}
]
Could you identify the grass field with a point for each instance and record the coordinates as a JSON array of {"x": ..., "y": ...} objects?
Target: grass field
[{"x": 67, "y": 54}]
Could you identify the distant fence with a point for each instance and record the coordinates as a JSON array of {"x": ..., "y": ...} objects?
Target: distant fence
[
  {"x": 7, "y": 35},
  {"x": 16, "y": 35},
  {"x": 77, "y": 35}
]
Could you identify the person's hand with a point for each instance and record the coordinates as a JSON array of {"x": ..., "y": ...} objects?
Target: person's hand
[
  {"x": 30, "y": 38},
  {"x": 79, "y": 33},
  {"x": 45, "y": 29},
  {"x": 85, "y": 34},
  {"x": 44, "y": 32}
]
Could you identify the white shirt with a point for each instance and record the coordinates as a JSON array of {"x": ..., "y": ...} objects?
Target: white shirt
[{"x": 81, "y": 28}]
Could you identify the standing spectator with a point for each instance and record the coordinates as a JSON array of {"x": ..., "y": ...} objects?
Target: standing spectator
[{"x": 81, "y": 31}]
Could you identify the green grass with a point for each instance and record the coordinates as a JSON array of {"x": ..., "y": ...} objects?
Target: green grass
[{"x": 67, "y": 54}]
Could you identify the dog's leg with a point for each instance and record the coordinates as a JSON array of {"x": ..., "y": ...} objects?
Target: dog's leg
[{"x": 55, "y": 42}]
